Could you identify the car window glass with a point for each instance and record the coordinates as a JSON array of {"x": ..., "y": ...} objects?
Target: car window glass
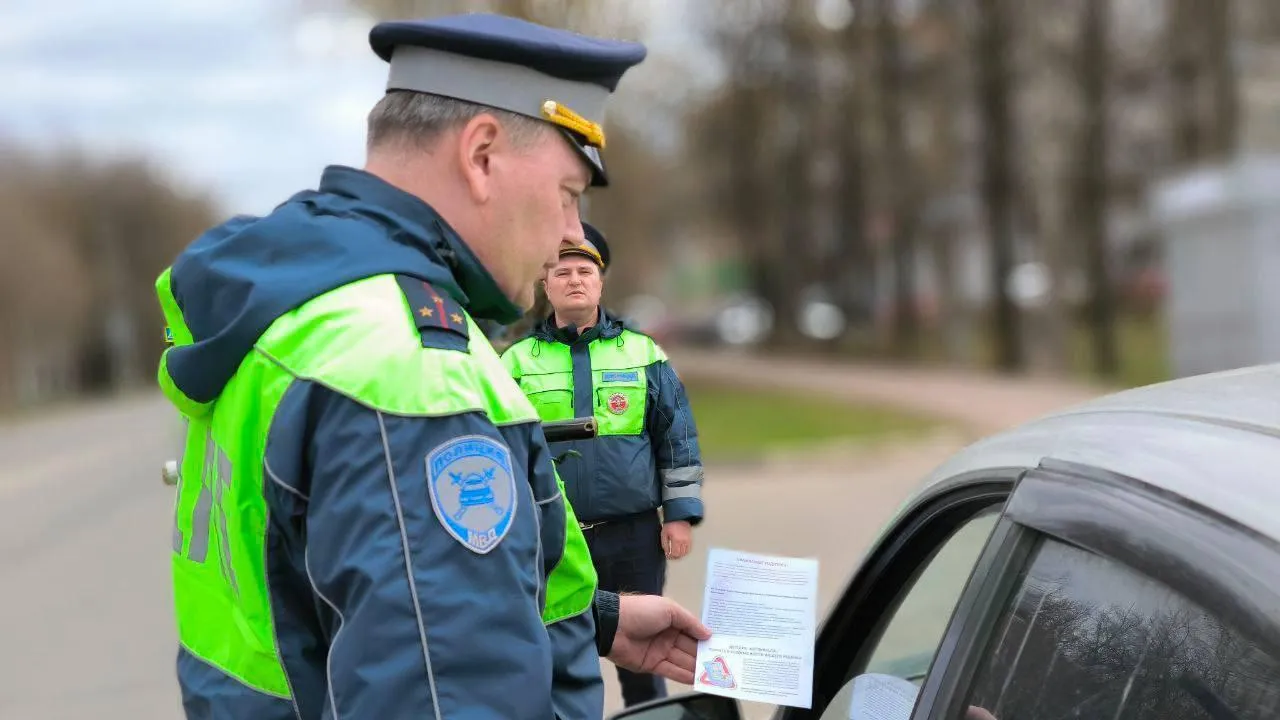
[
  {"x": 886, "y": 687},
  {"x": 1088, "y": 638}
]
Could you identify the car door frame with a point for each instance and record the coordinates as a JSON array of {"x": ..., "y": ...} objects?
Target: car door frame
[
  {"x": 890, "y": 569},
  {"x": 1196, "y": 552}
]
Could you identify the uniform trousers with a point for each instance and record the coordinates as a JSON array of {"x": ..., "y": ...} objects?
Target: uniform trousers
[{"x": 628, "y": 557}]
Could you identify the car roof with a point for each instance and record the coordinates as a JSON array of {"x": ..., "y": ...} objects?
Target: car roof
[{"x": 1213, "y": 439}]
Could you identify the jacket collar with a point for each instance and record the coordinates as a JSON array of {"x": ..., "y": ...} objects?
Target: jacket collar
[
  {"x": 607, "y": 327},
  {"x": 413, "y": 222}
]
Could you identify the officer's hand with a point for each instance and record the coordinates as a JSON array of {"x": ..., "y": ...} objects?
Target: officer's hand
[
  {"x": 677, "y": 538},
  {"x": 655, "y": 635}
]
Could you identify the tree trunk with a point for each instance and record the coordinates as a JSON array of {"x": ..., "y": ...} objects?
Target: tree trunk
[
  {"x": 992, "y": 47},
  {"x": 1094, "y": 183},
  {"x": 1204, "y": 93},
  {"x": 1221, "y": 69},
  {"x": 899, "y": 181},
  {"x": 1184, "y": 77},
  {"x": 945, "y": 102},
  {"x": 1051, "y": 124},
  {"x": 748, "y": 203},
  {"x": 855, "y": 261}
]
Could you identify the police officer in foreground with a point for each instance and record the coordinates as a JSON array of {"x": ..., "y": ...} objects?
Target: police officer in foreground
[
  {"x": 583, "y": 360},
  {"x": 368, "y": 521}
]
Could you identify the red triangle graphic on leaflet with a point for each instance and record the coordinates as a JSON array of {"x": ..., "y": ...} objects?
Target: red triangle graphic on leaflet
[{"x": 716, "y": 674}]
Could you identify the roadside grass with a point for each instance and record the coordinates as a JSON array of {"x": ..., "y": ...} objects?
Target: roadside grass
[
  {"x": 739, "y": 423},
  {"x": 1142, "y": 346}
]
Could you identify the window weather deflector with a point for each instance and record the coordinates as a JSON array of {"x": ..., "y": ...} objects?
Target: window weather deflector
[{"x": 1229, "y": 570}]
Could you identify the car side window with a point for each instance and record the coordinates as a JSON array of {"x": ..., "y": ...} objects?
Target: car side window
[
  {"x": 915, "y": 630},
  {"x": 900, "y": 659},
  {"x": 1085, "y": 637}
]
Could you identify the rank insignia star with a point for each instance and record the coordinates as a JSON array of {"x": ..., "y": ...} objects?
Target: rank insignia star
[{"x": 440, "y": 320}]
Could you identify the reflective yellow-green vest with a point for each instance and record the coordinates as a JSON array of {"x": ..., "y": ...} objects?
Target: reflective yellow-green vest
[{"x": 221, "y": 594}]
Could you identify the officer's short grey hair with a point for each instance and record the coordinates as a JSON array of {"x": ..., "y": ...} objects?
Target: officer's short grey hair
[{"x": 417, "y": 119}]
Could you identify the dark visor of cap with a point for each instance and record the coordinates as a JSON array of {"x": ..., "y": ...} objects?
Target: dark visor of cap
[{"x": 591, "y": 155}]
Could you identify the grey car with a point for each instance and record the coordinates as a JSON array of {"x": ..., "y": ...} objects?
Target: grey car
[{"x": 1119, "y": 560}]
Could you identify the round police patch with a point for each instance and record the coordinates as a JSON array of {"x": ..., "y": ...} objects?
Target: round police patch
[
  {"x": 473, "y": 490},
  {"x": 617, "y": 403}
]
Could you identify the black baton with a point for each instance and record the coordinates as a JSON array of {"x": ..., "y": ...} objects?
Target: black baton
[{"x": 583, "y": 428}]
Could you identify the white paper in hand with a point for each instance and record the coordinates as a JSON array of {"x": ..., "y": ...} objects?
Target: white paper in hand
[{"x": 761, "y": 611}]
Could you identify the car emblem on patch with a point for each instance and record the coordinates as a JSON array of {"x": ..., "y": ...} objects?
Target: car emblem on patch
[
  {"x": 617, "y": 403},
  {"x": 716, "y": 674},
  {"x": 473, "y": 490}
]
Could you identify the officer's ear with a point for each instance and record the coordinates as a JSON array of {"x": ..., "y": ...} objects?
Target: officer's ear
[{"x": 477, "y": 143}]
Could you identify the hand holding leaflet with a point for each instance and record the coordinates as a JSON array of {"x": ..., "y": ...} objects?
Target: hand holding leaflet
[{"x": 761, "y": 611}]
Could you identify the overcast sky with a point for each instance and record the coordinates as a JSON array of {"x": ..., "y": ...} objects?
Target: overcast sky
[
  {"x": 245, "y": 97},
  {"x": 242, "y": 96}
]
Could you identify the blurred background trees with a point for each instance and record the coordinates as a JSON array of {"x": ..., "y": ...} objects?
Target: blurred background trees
[
  {"x": 82, "y": 244},
  {"x": 958, "y": 181},
  {"x": 936, "y": 180}
]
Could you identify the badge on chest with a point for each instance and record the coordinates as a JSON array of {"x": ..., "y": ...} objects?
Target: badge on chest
[{"x": 618, "y": 403}]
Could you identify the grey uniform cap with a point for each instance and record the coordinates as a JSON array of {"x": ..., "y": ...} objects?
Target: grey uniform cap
[{"x": 552, "y": 75}]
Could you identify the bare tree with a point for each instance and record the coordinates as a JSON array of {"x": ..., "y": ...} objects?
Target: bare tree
[
  {"x": 1094, "y": 182},
  {"x": 1052, "y": 124},
  {"x": 854, "y": 262},
  {"x": 1204, "y": 95},
  {"x": 1223, "y": 75},
  {"x": 899, "y": 179},
  {"x": 105, "y": 230},
  {"x": 40, "y": 321},
  {"x": 942, "y": 182},
  {"x": 992, "y": 47}
]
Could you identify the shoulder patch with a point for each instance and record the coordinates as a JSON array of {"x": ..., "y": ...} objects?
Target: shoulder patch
[
  {"x": 473, "y": 490},
  {"x": 441, "y": 321}
]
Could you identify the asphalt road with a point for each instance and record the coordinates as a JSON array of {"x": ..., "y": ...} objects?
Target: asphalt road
[
  {"x": 84, "y": 548},
  {"x": 87, "y": 628},
  {"x": 87, "y": 622}
]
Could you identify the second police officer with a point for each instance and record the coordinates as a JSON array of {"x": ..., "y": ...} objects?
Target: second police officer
[{"x": 635, "y": 488}]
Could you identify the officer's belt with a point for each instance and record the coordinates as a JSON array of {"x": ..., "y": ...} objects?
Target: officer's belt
[{"x": 620, "y": 519}]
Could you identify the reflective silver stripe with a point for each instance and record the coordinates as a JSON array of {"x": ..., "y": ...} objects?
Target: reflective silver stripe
[
  {"x": 682, "y": 475},
  {"x": 177, "y": 504},
  {"x": 408, "y": 565},
  {"x": 686, "y": 491},
  {"x": 177, "y": 489},
  {"x": 199, "y": 549},
  {"x": 541, "y": 598},
  {"x": 222, "y": 483},
  {"x": 684, "y": 482},
  {"x": 342, "y": 622}
]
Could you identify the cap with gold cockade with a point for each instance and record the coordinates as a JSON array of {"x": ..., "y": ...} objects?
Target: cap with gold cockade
[{"x": 549, "y": 74}]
